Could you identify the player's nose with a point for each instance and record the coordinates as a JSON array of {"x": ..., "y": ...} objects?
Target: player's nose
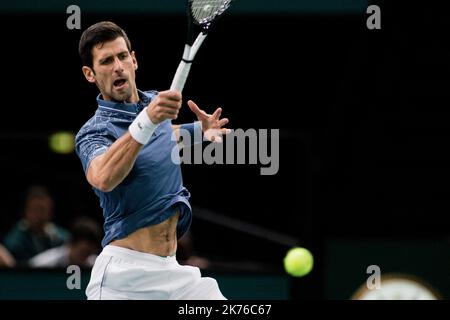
[{"x": 118, "y": 66}]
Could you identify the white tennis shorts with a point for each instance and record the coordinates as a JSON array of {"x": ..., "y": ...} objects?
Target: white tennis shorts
[{"x": 124, "y": 274}]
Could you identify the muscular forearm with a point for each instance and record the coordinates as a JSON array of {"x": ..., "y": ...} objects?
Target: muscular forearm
[{"x": 111, "y": 168}]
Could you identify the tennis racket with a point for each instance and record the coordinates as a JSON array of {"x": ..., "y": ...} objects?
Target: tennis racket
[{"x": 202, "y": 14}]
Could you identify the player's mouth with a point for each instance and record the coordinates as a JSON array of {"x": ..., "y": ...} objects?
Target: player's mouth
[{"x": 119, "y": 83}]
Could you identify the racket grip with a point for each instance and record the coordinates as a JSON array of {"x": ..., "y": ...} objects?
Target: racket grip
[{"x": 180, "y": 76}]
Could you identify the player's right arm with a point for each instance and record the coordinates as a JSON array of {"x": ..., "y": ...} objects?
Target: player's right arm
[{"x": 109, "y": 169}]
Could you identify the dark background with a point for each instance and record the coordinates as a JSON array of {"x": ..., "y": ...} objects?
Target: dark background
[{"x": 362, "y": 117}]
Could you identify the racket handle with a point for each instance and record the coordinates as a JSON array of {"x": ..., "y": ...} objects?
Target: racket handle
[
  {"x": 180, "y": 76},
  {"x": 183, "y": 68}
]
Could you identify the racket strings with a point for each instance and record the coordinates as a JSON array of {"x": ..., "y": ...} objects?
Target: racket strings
[{"x": 204, "y": 11}]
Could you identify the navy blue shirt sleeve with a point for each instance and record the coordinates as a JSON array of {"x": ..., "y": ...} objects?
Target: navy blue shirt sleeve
[{"x": 93, "y": 139}]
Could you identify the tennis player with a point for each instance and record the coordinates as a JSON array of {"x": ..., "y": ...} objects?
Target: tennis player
[{"x": 126, "y": 153}]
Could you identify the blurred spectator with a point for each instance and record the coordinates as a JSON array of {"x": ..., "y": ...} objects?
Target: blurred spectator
[
  {"x": 186, "y": 254},
  {"x": 82, "y": 249},
  {"x": 35, "y": 232},
  {"x": 6, "y": 259}
]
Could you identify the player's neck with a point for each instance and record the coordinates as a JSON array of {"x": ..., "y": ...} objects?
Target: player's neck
[{"x": 134, "y": 98}]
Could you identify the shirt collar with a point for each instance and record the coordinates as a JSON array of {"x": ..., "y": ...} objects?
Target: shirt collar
[{"x": 133, "y": 108}]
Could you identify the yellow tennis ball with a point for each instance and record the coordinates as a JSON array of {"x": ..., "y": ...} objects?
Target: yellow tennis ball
[
  {"x": 298, "y": 262},
  {"x": 62, "y": 142}
]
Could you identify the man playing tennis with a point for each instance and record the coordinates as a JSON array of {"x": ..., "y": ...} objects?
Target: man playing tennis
[{"x": 126, "y": 150}]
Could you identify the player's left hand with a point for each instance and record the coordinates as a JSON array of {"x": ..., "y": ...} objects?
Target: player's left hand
[{"x": 212, "y": 125}]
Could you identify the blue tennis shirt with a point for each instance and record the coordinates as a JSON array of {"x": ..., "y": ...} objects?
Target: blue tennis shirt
[{"x": 153, "y": 190}]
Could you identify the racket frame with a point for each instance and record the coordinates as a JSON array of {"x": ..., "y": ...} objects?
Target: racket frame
[{"x": 191, "y": 47}]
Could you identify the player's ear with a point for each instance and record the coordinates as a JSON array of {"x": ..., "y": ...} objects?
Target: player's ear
[
  {"x": 89, "y": 74},
  {"x": 133, "y": 56}
]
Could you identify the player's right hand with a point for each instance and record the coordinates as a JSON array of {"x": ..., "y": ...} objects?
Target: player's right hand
[{"x": 165, "y": 106}]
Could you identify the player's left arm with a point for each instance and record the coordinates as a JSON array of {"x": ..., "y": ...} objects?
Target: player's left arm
[{"x": 211, "y": 125}]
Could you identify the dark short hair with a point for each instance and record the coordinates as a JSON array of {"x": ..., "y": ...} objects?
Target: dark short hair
[
  {"x": 99, "y": 33},
  {"x": 36, "y": 192}
]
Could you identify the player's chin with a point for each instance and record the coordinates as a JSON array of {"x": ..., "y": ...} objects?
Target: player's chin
[
  {"x": 121, "y": 95},
  {"x": 121, "y": 92}
]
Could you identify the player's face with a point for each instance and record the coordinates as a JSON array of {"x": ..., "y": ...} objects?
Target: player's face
[{"x": 114, "y": 71}]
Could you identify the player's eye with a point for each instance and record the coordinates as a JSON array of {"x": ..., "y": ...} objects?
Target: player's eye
[
  {"x": 123, "y": 55},
  {"x": 106, "y": 61}
]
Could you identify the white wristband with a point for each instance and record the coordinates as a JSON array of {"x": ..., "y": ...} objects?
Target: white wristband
[{"x": 142, "y": 128}]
